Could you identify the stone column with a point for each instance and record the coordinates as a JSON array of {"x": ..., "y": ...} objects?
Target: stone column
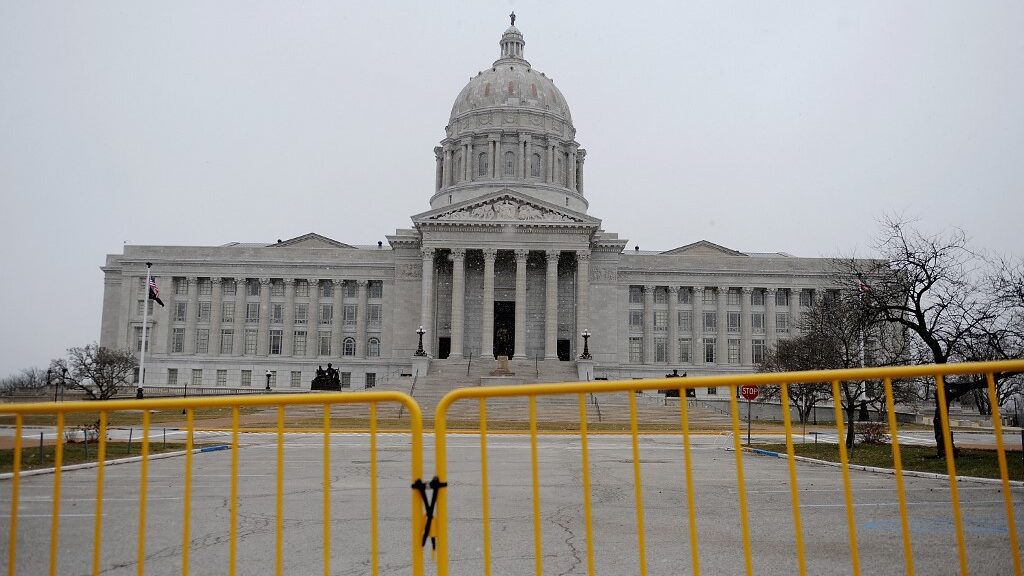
[
  {"x": 745, "y": 327},
  {"x": 458, "y": 301},
  {"x": 491, "y": 148},
  {"x": 581, "y": 155},
  {"x": 722, "y": 342},
  {"x": 336, "y": 323},
  {"x": 697, "y": 330},
  {"x": 520, "y": 339},
  {"x": 582, "y": 293},
  {"x": 770, "y": 335},
  {"x": 673, "y": 324},
  {"x": 447, "y": 176},
  {"x": 313, "y": 320},
  {"x": 263, "y": 332},
  {"x": 215, "y": 304},
  {"x": 288, "y": 340},
  {"x": 522, "y": 156},
  {"x": 469, "y": 161},
  {"x": 487, "y": 329},
  {"x": 439, "y": 168},
  {"x": 551, "y": 164},
  {"x": 648, "y": 324},
  {"x": 427, "y": 298},
  {"x": 572, "y": 169},
  {"x": 362, "y": 313},
  {"x": 551, "y": 307},
  {"x": 239, "y": 325},
  {"x": 192, "y": 316}
]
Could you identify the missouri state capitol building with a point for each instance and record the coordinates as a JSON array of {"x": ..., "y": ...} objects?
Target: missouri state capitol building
[{"x": 506, "y": 261}]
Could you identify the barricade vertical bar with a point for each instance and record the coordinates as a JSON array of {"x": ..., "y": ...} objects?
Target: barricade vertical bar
[
  {"x": 416, "y": 509},
  {"x": 12, "y": 544},
  {"x": 536, "y": 487},
  {"x": 585, "y": 466},
  {"x": 58, "y": 457},
  {"x": 233, "y": 516},
  {"x": 740, "y": 483},
  {"x": 684, "y": 424},
  {"x": 484, "y": 498},
  {"x": 143, "y": 489},
  {"x": 897, "y": 464},
  {"x": 794, "y": 489},
  {"x": 954, "y": 494},
  {"x": 851, "y": 523},
  {"x": 186, "y": 521},
  {"x": 279, "y": 498},
  {"x": 327, "y": 490},
  {"x": 374, "y": 560},
  {"x": 637, "y": 488},
  {"x": 101, "y": 456},
  {"x": 997, "y": 425}
]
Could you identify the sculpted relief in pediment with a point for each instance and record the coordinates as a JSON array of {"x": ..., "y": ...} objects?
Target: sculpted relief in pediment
[{"x": 506, "y": 209}]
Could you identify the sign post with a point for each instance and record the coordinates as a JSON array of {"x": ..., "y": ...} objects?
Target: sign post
[{"x": 749, "y": 393}]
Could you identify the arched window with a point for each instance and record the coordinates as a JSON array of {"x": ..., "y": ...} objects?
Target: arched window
[
  {"x": 535, "y": 166},
  {"x": 373, "y": 348},
  {"x": 348, "y": 347},
  {"x": 510, "y": 163},
  {"x": 482, "y": 164}
]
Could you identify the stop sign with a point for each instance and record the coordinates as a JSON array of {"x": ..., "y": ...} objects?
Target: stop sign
[{"x": 749, "y": 392}]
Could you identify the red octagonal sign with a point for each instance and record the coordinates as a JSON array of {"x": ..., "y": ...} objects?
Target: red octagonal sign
[{"x": 749, "y": 392}]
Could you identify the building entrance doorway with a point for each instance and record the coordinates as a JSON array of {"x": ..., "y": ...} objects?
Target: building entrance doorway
[
  {"x": 504, "y": 328},
  {"x": 444, "y": 348},
  {"x": 563, "y": 350}
]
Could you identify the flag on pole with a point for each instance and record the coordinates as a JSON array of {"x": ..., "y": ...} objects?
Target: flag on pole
[{"x": 154, "y": 292}]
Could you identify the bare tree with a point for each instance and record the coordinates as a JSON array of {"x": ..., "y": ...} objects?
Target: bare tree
[
  {"x": 28, "y": 379},
  {"x": 98, "y": 371}
]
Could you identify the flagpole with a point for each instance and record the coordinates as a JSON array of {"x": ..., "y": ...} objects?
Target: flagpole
[{"x": 145, "y": 321}]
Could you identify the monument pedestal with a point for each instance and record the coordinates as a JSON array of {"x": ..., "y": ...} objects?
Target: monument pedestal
[
  {"x": 420, "y": 364},
  {"x": 585, "y": 370}
]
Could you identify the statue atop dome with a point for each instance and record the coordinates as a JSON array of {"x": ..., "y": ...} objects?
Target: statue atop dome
[{"x": 513, "y": 17}]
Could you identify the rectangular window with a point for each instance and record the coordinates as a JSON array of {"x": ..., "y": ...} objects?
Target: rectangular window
[
  {"x": 227, "y": 340},
  {"x": 273, "y": 379},
  {"x": 299, "y": 343},
  {"x": 204, "y": 312},
  {"x": 205, "y": 287},
  {"x": 178, "y": 340},
  {"x": 350, "y": 289},
  {"x": 376, "y": 288},
  {"x": 296, "y": 379},
  {"x": 140, "y": 306},
  {"x": 710, "y": 322},
  {"x": 227, "y": 312},
  {"x": 806, "y": 298},
  {"x": 685, "y": 295},
  {"x": 734, "y": 322},
  {"x": 710, "y": 296},
  {"x": 346, "y": 379},
  {"x": 685, "y": 351},
  {"x": 276, "y": 313},
  {"x": 782, "y": 297},
  {"x": 180, "y": 286},
  {"x": 326, "y": 289},
  {"x": 138, "y": 339},
  {"x": 222, "y": 377},
  {"x": 301, "y": 313},
  {"x": 202, "y": 341},
  {"x": 636, "y": 320},
  {"x": 350, "y": 314},
  {"x": 636, "y": 294},
  {"x": 197, "y": 377},
  {"x": 757, "y": 351},
  {"x": 660, "y": 320},
  {"x": 636, "y": 350},
  {"x": 685, "y": 321},
  {"x": 277, "y": 287},
  {"x": 712, "y": 391},
  {"x": 709, "y": 350},
  {"x": 229, "y": 287},
  {"x": 660, "y": 295},
  {"x": 180, "y": 311},
  {"x": 246, "y": 378},
  {"x": 732, "y": 297},
  {"x": 325, "y": 343},
  {"x": 302, "y": 288},
  {"x": 172, "y": 376},
  {"x": 757, "y": 297},
  {"x": 757, "y": 322},
  {"x": 252, "y": 312},
  {"x": 371, "y": 380},
  {"x": 782, "y": 322},
  {"x": 253, "y": 287},
  {"x": 660, "y": 350},
  {"x": 250, "y": 342},
  {"x": 734, "y": 351},
  {"x": 374, "y": 315},
  {"x": 326, "y": 314},
  {"x": 275, "y": 341}
]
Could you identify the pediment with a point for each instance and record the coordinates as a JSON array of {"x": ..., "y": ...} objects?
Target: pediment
[
  {"x": 311, "y": 240},
  {"x": 504, "y": 207},
  {"x": 703, "y": 248}
]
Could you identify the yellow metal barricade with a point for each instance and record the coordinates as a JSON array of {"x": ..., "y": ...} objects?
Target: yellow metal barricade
[
  {"x": 235, "y": 403},
  {"x": 785, "y": 381}
]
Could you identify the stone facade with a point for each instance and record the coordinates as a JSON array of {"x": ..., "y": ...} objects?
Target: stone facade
[{"x": 506, "y": 261}]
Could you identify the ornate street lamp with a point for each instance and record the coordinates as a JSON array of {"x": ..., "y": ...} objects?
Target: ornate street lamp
[
  {"x": 268, "y": 380},
  {"x": 419, "y": 349},
  {"x": 586, "y": 346}
]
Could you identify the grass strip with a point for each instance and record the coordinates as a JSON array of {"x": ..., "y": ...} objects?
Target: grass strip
[{"x": 78, "y": 453}]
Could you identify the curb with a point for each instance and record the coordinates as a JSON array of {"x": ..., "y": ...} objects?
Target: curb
[
  {"x": 85, "y": 465},
  {"x": 877, "y": 470}
]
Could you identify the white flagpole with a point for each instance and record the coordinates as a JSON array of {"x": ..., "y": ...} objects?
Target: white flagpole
[{"x": 145, "y": 320}]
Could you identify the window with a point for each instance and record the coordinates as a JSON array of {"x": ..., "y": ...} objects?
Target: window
[
  {"x": 734, "y": 351},
  {"x": 660, "y": 320},
  {"x": 205, "y": 286},
  {"x": 197, "y": 376},
  {"x": 636, "y": 350},
  {"x": 301, "y": 313},
  {"x": 324, "y": 339},
  {"x": 782, "y": 322},
  {"x": 685, "y": 320},
  {"x": 757, "y": 297},
  {"x": 202, "y": 341},
  {"x": 510, "y": 163},
  {"x": 373, "y": 348},
  {"x": 277, "y": 287},
  {"x": 275, "y": 341},
  {"x": 229, "y": 287},
  {"x": 326, "y": 314},
  {"x": 204, "y": 312},
  {"x": 757, "y": 322},
  {"x": 348, "y": 347},
  {"x": 180, "y": 311},
  {"x": 141, "y": 306},
  {"x": 252, "y": 312},
  {"x": 138, "y": 339},
  {"x": 636, "y": 294},
  {"x": 351, "y": 290},
  {"x": 685, "y": 351},
  {"x": 371, "y": 380},
  {"x": 276, "y": 313},
  {"x": 732, "y": 297},
  {"x": 250, "y": 342},
  {"x": 253, "y": 287},
  {"x": 757, "y": 351},
  {"x": 660, "y": 295},
  {"x": 172, "y": 376},
  {"x": 222, "y": 377},
  {"x": 227, "y": 340},
  {"x": 299, "y": 343},
  {"x": 660, "y": 350},
  {"x": 350, "y": 314},
  {"x": 326, "y": 289},
  {"x": 806, "y": 298},
  {"x": 535, "y": 166},
  {"x": 178, "y": 340},
  {"x": 140, "y": 285},
  {"x": 302, "y": 288},
  {"x": 346, "y": 379},
  {"x": 782, "y": 297},
  {"x": 685, "y": 295},
  {"x": 246, "y": 379},
  {"x": 709, "y": 296},
  {"x": 227, "y": 312},
  {"x": 481, "y": 164},
  {"x": 636, "y": 319},
  {"x": 710, "y": 322},
  {"x": 180, "y": 286},
  {"x": 376, "y": 289},
  {"x": 709, "y": 350},
  {"x": 296, "y": 379},
  {"x": 734, "y": 321},
  {"x": 374, "y": 318},
  {"x": 273, "y": 379},
  {"x": 712, "y": 391}
]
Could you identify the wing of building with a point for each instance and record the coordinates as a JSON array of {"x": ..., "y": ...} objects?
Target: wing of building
[{"x": 506, "y": 261}]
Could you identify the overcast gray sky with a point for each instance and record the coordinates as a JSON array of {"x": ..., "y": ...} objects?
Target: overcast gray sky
[{"x": 761, "y": 126}]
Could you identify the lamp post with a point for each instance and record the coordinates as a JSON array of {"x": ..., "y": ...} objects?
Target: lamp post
[
  {"x": 185, "y": 395},
  {"x": 268, "y": 380},
  {"x": 586, "y": 345},
  {"x": 48, "y": 372},
  {"x": 63, "y": 384},
  {"x": 419, "y": 349}
]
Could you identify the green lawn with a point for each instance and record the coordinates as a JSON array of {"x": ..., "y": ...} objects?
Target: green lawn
[
  {"x": 77, "y": 453},
  {"x": 969, "y": 462},
  {"x": 124, "y": 417}
]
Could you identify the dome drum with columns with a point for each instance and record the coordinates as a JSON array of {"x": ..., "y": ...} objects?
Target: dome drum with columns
[{"x": 506, "y": 261}]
